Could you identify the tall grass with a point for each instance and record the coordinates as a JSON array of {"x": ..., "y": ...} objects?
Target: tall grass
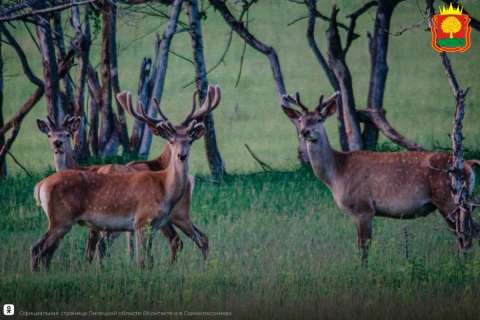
[{"x": 279, "y": 248}]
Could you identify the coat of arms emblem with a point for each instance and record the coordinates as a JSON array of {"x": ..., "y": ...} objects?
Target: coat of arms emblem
[{"x": 451, "y": 30}]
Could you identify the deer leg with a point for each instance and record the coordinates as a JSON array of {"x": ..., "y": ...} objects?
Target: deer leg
[
  {"x": 143, "y": 236},
  {"x": 191, "y": 231},
  {"x": 174, "y": 242},
  {"x": 364, "y": 235},
  {"x": 36, "y": 251},
  {"x": 92, "y": 242},
  {"x": 43, "y": 251}
]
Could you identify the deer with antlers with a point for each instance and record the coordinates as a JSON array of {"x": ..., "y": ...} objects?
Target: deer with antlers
[
  {"x": 402, "y": 185},
  {"x": 59, "y": 139},
  {"x": 136, "y": 201}
]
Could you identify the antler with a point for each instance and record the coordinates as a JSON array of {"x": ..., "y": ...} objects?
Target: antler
[
  {"x": 211, "y": 101},
  {"x": 323, "y": 104},
  {"x": 51, "y": 122},
  {"x": 125, "y": 100},
  {"x": 295, "y": 101}
]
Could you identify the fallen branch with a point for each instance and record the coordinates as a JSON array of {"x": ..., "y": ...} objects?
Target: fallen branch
[
  {"x": 265, "y": 166},
  {"x": 19, "y": 164}
]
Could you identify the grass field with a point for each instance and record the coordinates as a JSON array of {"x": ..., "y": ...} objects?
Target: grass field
[{"x": 280, "y": 248}]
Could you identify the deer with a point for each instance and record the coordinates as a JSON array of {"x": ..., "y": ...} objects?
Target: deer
[
  {"x": 140, "y": 201},
  {"x": 59, "y": 139},
  {"x": 366, "y": 184}
]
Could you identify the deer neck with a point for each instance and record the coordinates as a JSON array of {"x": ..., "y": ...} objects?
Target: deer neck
[
  {"x": 322, "y": 159},
  {"x": 176, "y": 177},
  {"x": 164, "y": 159},
  {"x": 65, "y": 161}
]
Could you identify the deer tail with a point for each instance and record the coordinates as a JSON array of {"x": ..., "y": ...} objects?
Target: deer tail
[{"x": 36, "y": 193}]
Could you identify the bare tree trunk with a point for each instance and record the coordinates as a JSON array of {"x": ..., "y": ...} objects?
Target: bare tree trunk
[
  {"x": 336, "y": 57},
  {"x": 50, "y": 69},
  {"x": 144, "y": 92},
  {"x": 80, "y": 143},
  {"x": 378, "y": 45},
  {"x": 59, "y": 42},
  {"x": 160, "y": 72},
  {"x": 465, "y": 226},
  {"x": 214, "y": 157},
  {"x": 3, "y": 164},
  {"x": 95, "y": 102},
  {"x": 122, "y": 122},
  {"x": 108, "y": 136},
  {"x": 312, "y": 6},
  {"x": 271, "y": 54}
]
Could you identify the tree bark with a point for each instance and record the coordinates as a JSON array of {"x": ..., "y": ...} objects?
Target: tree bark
[
  {"x": 50, "y": 69},
  {"x": 272, "y": 56},
  {"x": 95, "y": 102},
  {"x": 122, "y": 122},
  {"x": 82, "y": 48},
  {"x": 144, "y": 92},
  {"x": 59, "y": 42},
  {"x": 108, "y": 136},
  {"x": 160, "y": 72},
  {"x": 336, "y": 57},
  {"x": 215, "y": 162},
  {"x": 312, "y": 5},
  {"x": 3, "y": 164},
  {"x": 378, "y": 46}
]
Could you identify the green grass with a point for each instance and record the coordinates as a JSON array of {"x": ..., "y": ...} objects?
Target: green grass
[{"x": 279, "y": 248}]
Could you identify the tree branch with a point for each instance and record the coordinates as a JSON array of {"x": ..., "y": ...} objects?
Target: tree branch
[{"x": 44, "y": 11}]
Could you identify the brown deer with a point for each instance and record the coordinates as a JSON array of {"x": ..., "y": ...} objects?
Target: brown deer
[
  {"x": 139, "y": 201},
  {"x": 59, "y": 138},
  {"x": 401, "y": 185}
]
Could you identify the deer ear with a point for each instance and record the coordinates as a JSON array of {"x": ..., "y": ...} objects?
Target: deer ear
[
  {"x": 197, "y": 131},
  {"x": 291, "y": 113},
  {"x": 122, "y": 99},
  {"x": 43, "y": 126},
  {"x": 329, "y": 109},
  {"x": 73, "y": 124}
]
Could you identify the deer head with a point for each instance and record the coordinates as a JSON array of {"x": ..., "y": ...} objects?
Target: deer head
[
  {"x": 180, "y": 137},
  {"x": 310, "y": 123},
  {"x": 59, "y": 138}
]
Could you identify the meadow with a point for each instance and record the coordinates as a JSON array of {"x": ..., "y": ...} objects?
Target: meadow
[{"x": 280, "y": 248}]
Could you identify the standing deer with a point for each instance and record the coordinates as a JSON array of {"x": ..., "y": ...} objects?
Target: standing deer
[
  {"x": 401, "y": 185},
  {"x": 59, "y": 138},
  {"x": 137, "y": 201}
]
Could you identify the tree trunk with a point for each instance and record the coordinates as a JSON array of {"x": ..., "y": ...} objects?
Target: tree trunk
[
  {"x": 336, "y": 57},
  {"x": 50, "y": 69},
  {"x": 378, "y": 74},
  {"x": 59, "y": 42},
  {"x": 312, "y": 5},
  {"x": 108, "y": 136},
  {"x": 214, "y": 157},
  {"x": 160, "y": 72},
  {"x": 95, "y": 102},
  {"x": 122, "y": 123},
  {"x": 144, "y": 92},
  {"x": 3, "y": 164},
  {"x": 80, "y": 143}
]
